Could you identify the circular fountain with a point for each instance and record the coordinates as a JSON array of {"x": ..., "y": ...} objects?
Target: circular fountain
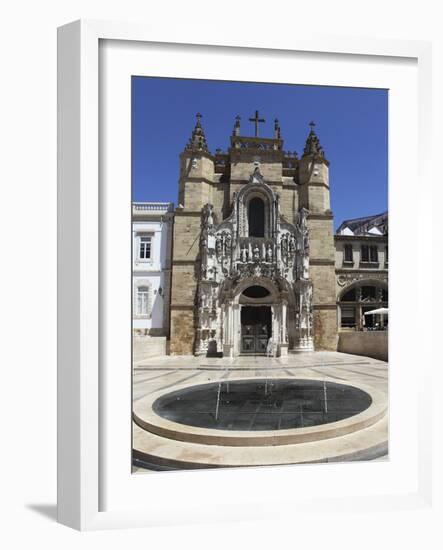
[
  {"x": 260, "y": 412},
  {"x": 257, "y": 405}
]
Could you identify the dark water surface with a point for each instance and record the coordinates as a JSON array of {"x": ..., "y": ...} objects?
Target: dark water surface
[{"x": 261, "y": 404}]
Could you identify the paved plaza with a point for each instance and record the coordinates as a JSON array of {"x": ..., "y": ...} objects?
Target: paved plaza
[{"x": 162, "y": 445}]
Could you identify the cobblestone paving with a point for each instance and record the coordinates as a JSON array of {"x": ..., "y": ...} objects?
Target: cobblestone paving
[{"x": 168, "y": 372}]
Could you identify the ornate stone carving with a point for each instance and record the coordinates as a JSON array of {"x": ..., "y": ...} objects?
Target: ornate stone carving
[
  {"x": 303, "y": 316},
  {"x": 229, "y": 257},
  {"x": 256, "y": 176},
  {"x": 344, "y": 279}
]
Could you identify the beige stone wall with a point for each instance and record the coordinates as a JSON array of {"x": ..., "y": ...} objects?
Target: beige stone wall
[
  {"x": 272, "y": 171},
  {"x": 184, "y": 288},
  {"x": 321, "y": 239},
  {"x": 184, "y": 285},
  {"x": 186, "y": 236},
  {"x": 323, "y": 277},
  {"x": 196, "y": 175},
  {"x": 313, "y": 172},
  {"x": 183, "y": 327},
  {"x": 197, "y": 193},
  {"x": 314, "y": 188},
  {"x": 318, "y": 201},
  {"x": 196, "y": 165},
  {"x": 144, "y": 347},
  {"x": 323, "y": 280},
  {"x": 325, "y": 329},
  {"x": 315, "y": 198},
  {"x": 218, "y": 196},
  {"x": 184, "y": 282},
  {"x": 289, "y": 202},
  {"x": 314, "y": 195},
  {"x": 370, "y": 344},
  {"x": 325, "y": 309}
]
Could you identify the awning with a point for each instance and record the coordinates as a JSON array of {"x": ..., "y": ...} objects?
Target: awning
[{"x": 379, "y": 311}]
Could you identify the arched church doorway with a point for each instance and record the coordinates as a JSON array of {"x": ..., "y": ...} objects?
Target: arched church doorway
[
  {"x": 256, "y": 329},
  {"x": 256, "y": 217}
]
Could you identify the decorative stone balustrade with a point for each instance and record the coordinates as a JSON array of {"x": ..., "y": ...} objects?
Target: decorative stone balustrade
[{"x": 140, "y": 209}]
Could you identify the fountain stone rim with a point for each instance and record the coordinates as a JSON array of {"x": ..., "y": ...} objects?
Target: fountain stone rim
[{"x": 147, "y": 419}]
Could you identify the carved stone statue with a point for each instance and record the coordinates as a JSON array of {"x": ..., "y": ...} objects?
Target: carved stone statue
[
  {"x": 208, "y": 215},
  {"x": 292, "y": 245},
  {"x": 218, "y": 246},
  {"x": 284, "y": 246},
  {"x": 304, "y": 231},
  {"x": 256, "y": 176},
  {"x": 303, "y": 220},
  {"x": 256, "y": 253},
  {"x": 305, "y": 266},
  {"x": 228, "y": 243}
]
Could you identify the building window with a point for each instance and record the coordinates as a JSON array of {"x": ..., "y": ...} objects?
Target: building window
[
  {"x": 368, "y": 293},
  {"x": 364, "y": 255},
  {"x": 256, "y": 217},
  {"x": 145, "y": 248},
  {"x": 142, "y": 301},
  {"x": 386, "y": 255},
  {"x": 360, "y": 299},
  {"x": 373, "y": 254},
  {"x": 350, "y": 296},
  {"x": 348, "y": 316},
  {"x": 348, "y": 253},
  {"x": 369, "y": 254}
]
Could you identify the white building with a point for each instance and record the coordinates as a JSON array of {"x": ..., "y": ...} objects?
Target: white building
[{"x": 152, "y": 224}]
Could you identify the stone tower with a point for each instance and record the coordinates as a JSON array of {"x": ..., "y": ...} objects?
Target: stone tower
[
  {"x": 314, "y": 195},
  {"x": 253, "y": 253}
]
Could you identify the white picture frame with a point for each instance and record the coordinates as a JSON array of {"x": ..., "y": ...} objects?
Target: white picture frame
[{"x": 86, "y": 499}]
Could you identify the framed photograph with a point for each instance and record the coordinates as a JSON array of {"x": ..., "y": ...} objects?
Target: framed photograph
[{"x": 228, "y": 217}]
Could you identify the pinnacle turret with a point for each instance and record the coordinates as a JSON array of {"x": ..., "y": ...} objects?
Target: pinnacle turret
[
  {"x": 236, "y": 130},
  {"x": 277, "y": 131},
  {"x": 197, "y": 141},
  {"x": 312, "y": 145}
]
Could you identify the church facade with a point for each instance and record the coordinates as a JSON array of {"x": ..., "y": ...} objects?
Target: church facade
[{"x": 253, "y": 256}]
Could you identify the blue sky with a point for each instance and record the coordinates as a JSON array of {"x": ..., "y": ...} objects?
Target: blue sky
[{"x": 351, "y": 124}]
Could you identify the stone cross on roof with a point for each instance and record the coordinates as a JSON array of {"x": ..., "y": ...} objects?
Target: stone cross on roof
[{"x": 256, "y": 120}]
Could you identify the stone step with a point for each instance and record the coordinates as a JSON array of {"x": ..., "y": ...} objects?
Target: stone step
[{"x": 153, "y": 450}]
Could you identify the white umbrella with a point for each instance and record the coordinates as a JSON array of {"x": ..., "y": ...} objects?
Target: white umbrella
[
  {"x": 382, "y": 311},
  {"x": 379, "y": 311}
]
